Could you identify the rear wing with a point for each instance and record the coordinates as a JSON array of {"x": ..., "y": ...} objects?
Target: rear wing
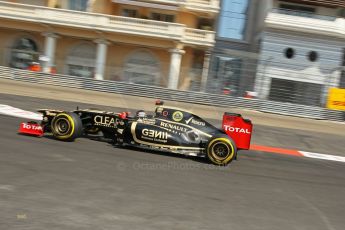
[{"x": 239, "y": 129}]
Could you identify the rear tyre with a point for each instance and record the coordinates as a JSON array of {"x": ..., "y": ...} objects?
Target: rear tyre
[
  {"x": 221, "y": 150},
  {"x": 66, "y": 126}
]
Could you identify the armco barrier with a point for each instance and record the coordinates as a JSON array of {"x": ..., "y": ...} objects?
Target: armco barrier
[{"x": 169, "y": 94}]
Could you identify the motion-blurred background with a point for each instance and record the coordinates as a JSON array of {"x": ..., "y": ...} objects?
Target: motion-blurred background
[{"x": 283, "y": 56}]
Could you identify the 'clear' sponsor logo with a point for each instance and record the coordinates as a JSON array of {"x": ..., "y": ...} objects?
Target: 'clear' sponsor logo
[
  {"x": 236, "y": 129},
  {"x": 195, "y": 122},
  {"x": 104, "y": 120}
]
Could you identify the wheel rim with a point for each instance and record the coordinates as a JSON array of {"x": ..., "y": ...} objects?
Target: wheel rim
[
  {"x": 62, "y": 126},
  {"x": 221, "y": 151}
]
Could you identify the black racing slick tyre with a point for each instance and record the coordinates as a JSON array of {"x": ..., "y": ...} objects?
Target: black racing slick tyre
[
  {"x": 66, "y": 126},
  {"x": 221, "y": 150}
]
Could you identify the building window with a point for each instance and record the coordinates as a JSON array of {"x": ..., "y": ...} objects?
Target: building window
[
  {"x": 130, "y": 13},
  {"x": 342, "y": 76},
  {"x": 227, "y": 75},
  {"x": 79, "y": 5},
  {"x": 205, "y": 24},
  {"x": 23, "y": 53},
  {"x": 312, "y": 56},
  {"x": 32, "y": 2},
  {"x": 297, "y": 8},
  {"x": 289, "y": 53},
  {"x": 141, "y": 67},
  {"x": 342, "y": 12},
  {"x": 163, "y": 17},
  {"x": 233, "y": 19},
  {"x": 81, "y": 71},
  {"x": 303, "y": 11},
  {"x": 81, "y": 60},
  {"x": 296, "y": 92}
]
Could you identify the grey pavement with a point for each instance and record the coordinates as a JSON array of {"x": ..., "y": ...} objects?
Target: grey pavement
[{"x": 88, "y": 184}]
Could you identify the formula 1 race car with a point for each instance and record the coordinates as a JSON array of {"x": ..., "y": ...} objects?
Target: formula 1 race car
[{"x": 168, "y": 129}]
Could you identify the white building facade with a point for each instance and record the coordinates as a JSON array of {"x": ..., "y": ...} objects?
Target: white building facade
[{"x": 302, "y": 52}]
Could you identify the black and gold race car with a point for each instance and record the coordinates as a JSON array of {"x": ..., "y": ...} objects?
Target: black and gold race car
[{"x": 168, "y": 129}]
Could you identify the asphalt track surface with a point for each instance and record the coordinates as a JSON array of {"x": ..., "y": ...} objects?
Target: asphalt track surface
[{"x": 90, "y": 184}]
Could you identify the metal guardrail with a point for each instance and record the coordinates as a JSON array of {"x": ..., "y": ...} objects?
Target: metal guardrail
[{"x": 169, "y": 94}]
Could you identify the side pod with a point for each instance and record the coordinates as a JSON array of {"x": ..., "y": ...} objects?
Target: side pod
[{"x": 239, "y": 129}]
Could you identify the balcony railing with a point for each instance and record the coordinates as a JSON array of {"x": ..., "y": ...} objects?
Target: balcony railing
[
  {"x": 108, "y": 23},
  {"x": 208, "y": 6},
  {"x": 199, "y": 37},
  {"x": 306, "y": 23},
  {"x": 202, "y": 5},
  {"x": 303, "y": 14}
]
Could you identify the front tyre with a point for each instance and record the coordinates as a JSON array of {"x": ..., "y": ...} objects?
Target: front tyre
[
  {"x": 66, "y": 126},
  {"x": 221, "y": 150}
]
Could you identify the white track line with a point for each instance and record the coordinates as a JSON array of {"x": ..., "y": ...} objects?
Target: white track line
[
  {"x": 323, "y": 156},
  {"x": 15, "y": 112}
]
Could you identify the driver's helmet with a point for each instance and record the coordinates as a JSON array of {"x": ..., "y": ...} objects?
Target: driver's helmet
[{"x": 141, "y": 114}]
